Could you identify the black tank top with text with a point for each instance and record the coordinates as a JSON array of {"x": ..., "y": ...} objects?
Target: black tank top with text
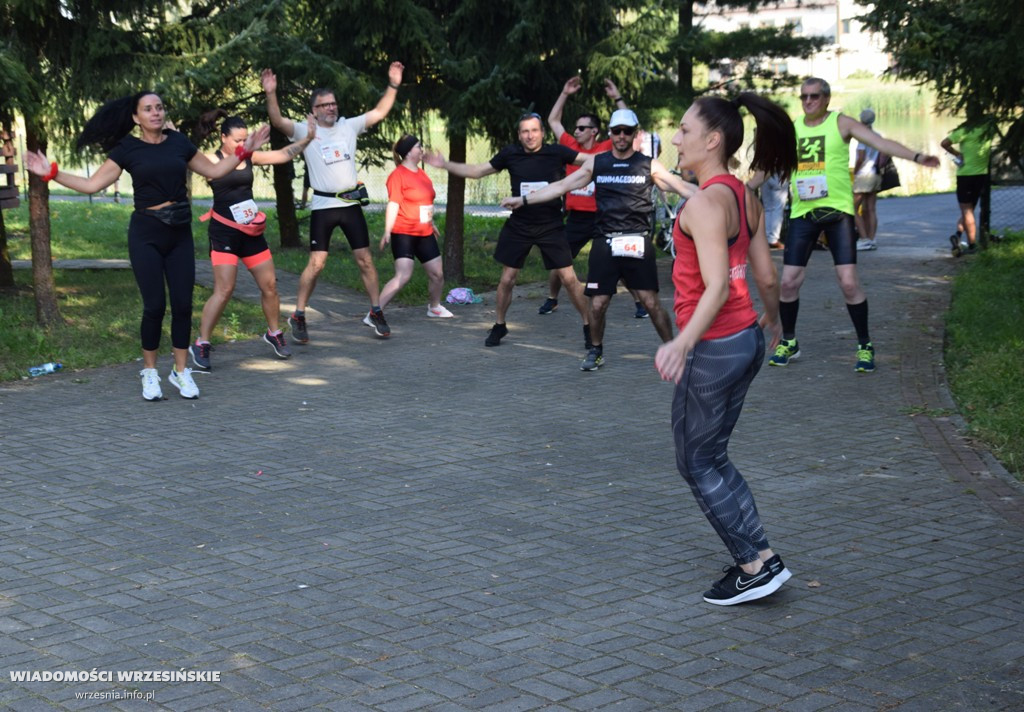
[
  {"x": 622, "y": 188},
  {"x": 233, "y": 188}
]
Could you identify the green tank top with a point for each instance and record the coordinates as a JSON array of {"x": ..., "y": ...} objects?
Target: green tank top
[{"x": 822, "y": 169}]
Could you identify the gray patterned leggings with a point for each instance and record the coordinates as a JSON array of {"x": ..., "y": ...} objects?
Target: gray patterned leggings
[{"x": 706, "y": 406}]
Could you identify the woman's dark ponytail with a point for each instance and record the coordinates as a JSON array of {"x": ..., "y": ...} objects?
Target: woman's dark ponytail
[
  {"x": 775, "y": 141},
  {"x": 111, "y": 122}
]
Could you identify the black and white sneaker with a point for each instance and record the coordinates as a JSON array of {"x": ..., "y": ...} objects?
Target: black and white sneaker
[
  {"x": 376, "y": 321},
  {"x": 737, "y": 586},
  {"x": 778, "y": 569},
  {"x": 200, "y": 354}
]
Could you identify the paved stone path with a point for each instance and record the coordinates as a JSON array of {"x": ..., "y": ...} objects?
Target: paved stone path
[{"x": 423, "y": 523}]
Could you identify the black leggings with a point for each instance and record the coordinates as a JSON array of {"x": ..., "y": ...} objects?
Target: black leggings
[
  {"x": 160, "y": 253},
  {"x": 707, "y": 404}
]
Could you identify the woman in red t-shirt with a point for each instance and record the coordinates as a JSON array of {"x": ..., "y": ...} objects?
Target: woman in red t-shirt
[
  {"x": 409, "y": 226},
  {"x": 721, "y": 345}
]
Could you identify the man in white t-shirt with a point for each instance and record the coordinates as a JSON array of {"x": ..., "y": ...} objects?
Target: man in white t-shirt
[{"x": 337, "y": 195}]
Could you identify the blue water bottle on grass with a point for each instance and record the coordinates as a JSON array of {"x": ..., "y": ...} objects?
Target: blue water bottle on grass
[{"x": 44, "y": 369}]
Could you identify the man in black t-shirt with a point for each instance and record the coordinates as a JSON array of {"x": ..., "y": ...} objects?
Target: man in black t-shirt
[
  {"x": 531, "y": 165},
  {"x": 622, "y": 247}
]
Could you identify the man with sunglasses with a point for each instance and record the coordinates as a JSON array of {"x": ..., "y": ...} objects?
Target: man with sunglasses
[
  {"x": 822, "y": 194},
  {"x": 337, "y": 194},
  {"x": 579, "y": 204},
  {"x": 531, "y": 165},
  {"x": 622, "y": 248}
]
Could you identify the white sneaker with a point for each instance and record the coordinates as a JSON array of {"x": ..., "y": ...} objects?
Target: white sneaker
[
  {"x": 439, "y": 312},
  {"x": 151, "y": 385},
  {"x": 863, "y": 245},
  {"x": 184, "y": 383}
]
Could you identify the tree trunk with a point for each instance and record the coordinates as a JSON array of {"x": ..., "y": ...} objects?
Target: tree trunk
[
  {"x": 47, "y": 313},
  {"x": 685, "y": 61},
  {"x": 454, "y": 217},
  {"x": 6, "y": 270},
  {"x": 287, "y": 221}
]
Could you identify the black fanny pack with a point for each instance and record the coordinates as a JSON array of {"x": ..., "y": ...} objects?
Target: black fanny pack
[
  {"x": 174, "y": 214},
  {"x": 356, "y": 195}
]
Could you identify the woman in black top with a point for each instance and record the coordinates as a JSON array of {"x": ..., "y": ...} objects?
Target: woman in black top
[
  {"x": 236, "y": 233},
  {"x": 160, "y": 232}
]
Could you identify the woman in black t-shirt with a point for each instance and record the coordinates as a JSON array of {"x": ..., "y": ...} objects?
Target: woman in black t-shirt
[
  {"x": 236, "y": 233},
  {"x": 160, "y": 232}
]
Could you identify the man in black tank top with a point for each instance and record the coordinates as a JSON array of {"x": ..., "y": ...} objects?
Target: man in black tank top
[
  {"x": 622, "y": 247},
  {"x": 531, "y": 164}
]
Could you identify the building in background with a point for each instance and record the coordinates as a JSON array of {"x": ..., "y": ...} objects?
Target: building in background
[{"x": 852, "y": 48}]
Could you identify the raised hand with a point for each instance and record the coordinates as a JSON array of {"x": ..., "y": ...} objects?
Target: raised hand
[
  {"x": 257, "y": 138},
  {"x": 572, "y": 85},
  {"x": 395, "y": 72},
  {"x": 37, "y": 163},
  {"x": 435, "y": 159},
  {"x": 269, "y": 81}
]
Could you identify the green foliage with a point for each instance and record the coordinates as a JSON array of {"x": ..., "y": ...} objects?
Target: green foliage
[
  {"x": 985, "y": 348},
  {"x": 970, "y": 51},
  {"x": 101, "y": 310}
]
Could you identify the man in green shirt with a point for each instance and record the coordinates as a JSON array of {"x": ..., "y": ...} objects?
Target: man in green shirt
[
  {"x": 822, "y": 194},
  {"x": 975, "y": 140}
]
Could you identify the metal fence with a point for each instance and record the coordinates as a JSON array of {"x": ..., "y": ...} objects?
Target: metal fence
[{"x": 1002, "y": 205}]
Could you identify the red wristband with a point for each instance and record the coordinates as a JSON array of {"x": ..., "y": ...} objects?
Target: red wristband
[
  {"x": 52, "y": 174},
  {"x": 241, "y": 153}
]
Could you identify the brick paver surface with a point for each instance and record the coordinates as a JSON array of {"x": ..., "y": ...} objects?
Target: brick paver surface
[{"x": 424, "y": 523}]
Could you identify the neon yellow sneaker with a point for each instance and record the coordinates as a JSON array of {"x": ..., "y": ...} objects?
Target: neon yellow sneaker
[
  {"x": 865, "y": 358},
  {"x": 787, "y": 350}
]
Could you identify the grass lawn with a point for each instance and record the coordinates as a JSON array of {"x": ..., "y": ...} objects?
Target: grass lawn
[
  {"x": 985, "y": 349},
  {"x": 102, "y": 308}
]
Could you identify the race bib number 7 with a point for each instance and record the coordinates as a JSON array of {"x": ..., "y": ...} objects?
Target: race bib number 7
[{"x": 812, "y": 188}]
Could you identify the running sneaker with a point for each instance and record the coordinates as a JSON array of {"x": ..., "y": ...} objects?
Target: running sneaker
[
  {"x": 200, "y": 354},
  {"x": 151, "y": 385},
  {"x": 738, "y": 587},
  {"x": 184, "y": 383},
  {"x": 641, "y": 313},
  {"x": 778, "y": 569},
  {"x": 865, "y": 358},
  {"x": 278, "y": 343},
  {"x": 587, "y": 343},
  {"x": 593, "y": 361},
  {"x": 497, "y": 333},
  {"x": 863, "y": 245},
  {"x": 548, "y": 306},
  {"x": 298, "y": 326},
  {"x": 787, "y": 350},
  {"x": 438, "y": 312},
  {"x": 376, "y": 321}
]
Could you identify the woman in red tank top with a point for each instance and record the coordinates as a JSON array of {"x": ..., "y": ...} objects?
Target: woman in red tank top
[{"x": 721, "y": 343}]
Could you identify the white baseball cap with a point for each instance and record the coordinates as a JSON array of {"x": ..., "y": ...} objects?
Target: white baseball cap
[{"x": 623, "y": 117}]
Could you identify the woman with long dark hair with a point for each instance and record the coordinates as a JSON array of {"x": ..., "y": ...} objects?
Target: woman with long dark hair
[
  {"x": 721, "y": 342},
  {"x": 160, "y": 243},
  {"x": 236, "y": 233}
]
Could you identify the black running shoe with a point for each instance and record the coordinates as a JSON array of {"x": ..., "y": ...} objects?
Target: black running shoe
[
  {"x": 548, "y": 306},
  {"x": 641, "y": 313},
  {"x": 200, "y": 354},
  {"x": 298, "y": 326},
  {"x": 376, "y": 321},
  {"x": 779, "y": 570},
  {"x": 738, "y": 586},
  {"x": 278, "y": 343},
  {"x": 497, "y": 333}
]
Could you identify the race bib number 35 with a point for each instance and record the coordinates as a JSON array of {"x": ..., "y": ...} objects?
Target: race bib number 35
[
  {"x": 812, "y": 188},
  {"x": 245, "y": 212},
  {"x": 628, "y": 246}
]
